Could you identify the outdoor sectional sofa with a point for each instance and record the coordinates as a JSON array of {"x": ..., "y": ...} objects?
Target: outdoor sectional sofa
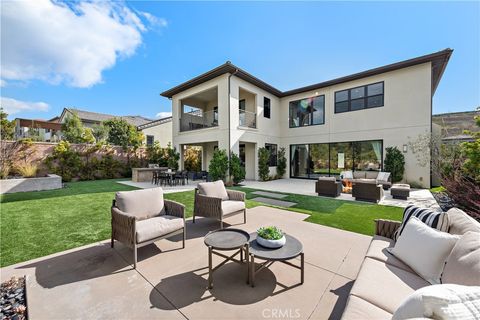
[
  {"x": 384, "y": 281},
  {"x": 383, "y": 178}
]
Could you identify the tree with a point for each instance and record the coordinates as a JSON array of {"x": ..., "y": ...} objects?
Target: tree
[
  {"x": 263, "y": 159},
  {"x": 121, "y": 133},
  {"x": 218, "y": 165},
  {"x": 7, "y": 127},
  {"x": 72, "y": 129},
  {"x": 281, "y": 163},
  {"x": 192, "y": 159},
  {"x": 395, "y": 163},
  {"x": 100, "y": 132},
  {"x": 471, "y": 153},
  {"x": 88, "y": 136},
  {"x": 173, "y": 156},
  {"x": 237, "y": 171}
]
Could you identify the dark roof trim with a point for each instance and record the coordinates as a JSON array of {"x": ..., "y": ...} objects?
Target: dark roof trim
[
  {"x": 438, "y": 59},
  {"x": 154, "y": 123}
]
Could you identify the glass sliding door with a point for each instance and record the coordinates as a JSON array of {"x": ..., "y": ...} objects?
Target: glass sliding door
[
  {"x": 299, "y": 163},
  {"x": 330, "y": 159},
  {"x": 319, "y": 160},
  {"x": 368, "y": 155},
  {"x": 341, "y": 157}
]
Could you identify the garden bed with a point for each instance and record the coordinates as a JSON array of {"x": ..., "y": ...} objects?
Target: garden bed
[
  {"x": 13, "y": 301},
  {"x": 50, "y": 182}
]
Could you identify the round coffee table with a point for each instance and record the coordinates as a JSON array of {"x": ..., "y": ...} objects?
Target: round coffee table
[
  {"x": 226, "y": 240},
  {"x": 292, "y": 249}
]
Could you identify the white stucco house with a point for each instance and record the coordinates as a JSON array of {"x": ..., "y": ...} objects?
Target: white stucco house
[
  {"x": 340, "y": 124},
  {"x": 157, "y": 130}
]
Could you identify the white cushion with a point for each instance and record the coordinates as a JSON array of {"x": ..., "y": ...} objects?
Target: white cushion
[
  {"x": 145, "y": 203},
  {"x": 442, "y": 301},
  {"x": 213, "y": 189},
  {"x": 157, "y": 227},
  {"x": 230, "y": 206},
  {"x": 424, "y": 249}
]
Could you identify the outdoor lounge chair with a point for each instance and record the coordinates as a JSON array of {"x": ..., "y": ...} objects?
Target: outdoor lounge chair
[
  {"x": 142, "y": 217},
  {"x": 212, "y": 200},
  {"x": 328, "y": 186},
  {"x": 367, "y": 191}
]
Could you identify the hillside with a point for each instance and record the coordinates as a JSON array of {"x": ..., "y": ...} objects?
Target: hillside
[{"x": 453, "y": 124}]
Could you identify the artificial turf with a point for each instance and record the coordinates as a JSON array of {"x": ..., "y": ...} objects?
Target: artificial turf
[{"x": 35, "y": 224}]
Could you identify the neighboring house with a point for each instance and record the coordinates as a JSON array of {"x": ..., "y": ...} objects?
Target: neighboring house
[
  {"x": 90, "y": 119},
  {"x": 454, "y": 124},
  {"x": 44, "y": 130},
  {"x": 340, "y": 124},
  {"x": 158, "y": 130}
]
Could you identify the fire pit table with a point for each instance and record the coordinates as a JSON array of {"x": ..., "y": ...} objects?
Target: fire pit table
[
  {"x": 292, "y": 249},
  {"x": 226, "y": 240}
]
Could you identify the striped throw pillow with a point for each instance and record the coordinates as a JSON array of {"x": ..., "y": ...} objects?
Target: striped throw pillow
[{"x": 434, "y": 219}]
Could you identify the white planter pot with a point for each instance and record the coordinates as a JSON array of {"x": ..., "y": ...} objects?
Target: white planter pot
[{"x": 273, "y": 244}]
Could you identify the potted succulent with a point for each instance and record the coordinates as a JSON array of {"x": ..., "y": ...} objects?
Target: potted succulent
[{"x": 270, "y": 237}]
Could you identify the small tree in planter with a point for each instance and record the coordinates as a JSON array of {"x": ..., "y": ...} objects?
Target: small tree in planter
[
  {"x": 395, "y": 163},
  {"x": 237, "y": 171},
  {"x": 263, "y": 159},
  {"x": 281, "y": 163},
  {"x": 173, "y": 157},
  {"x": 219, "y": 165}
]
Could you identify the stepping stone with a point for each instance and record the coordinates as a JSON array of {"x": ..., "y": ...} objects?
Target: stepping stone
[
  {"x": 270, "y": 194},
  {"x": 274, "y": 202}
]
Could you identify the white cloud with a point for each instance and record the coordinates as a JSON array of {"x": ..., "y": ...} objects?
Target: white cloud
[
  {"x": 12, "y": 106},
  {"x": 163, "y": 115},
  {"x": 3, "y": 83},
  {"x": 70, "y": 43},
  {"x": 154, "y": 21}
]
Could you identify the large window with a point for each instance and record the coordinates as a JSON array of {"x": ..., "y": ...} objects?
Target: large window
[
  {"x": 272, "y": 148},
  {"x": 307, "y": 112},
  {"x": 322, "y": 159},
  {"x": 369, "y": 96},
  {"x": 266, "y": 107}
]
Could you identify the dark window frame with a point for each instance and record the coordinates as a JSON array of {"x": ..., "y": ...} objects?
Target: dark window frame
[
  {"x": 153, "y": 140},
  {"x": 273, "y": 160},
  {"x": 311, "y": 113},
  {"x": 267, "y": 106},
  {"x": 364, "y": 98}
]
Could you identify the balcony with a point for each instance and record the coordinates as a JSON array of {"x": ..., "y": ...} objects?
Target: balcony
[
  {"x": 198, "y": 119},
  {"x": 247, "y": 119}
]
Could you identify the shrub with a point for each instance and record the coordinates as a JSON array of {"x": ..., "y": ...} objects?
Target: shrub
[
  {"x": 219, "y": 165},
  {"x": 263, "y": 159},
  {"x": 237, "y": 171},
  {"x": 64, "y": 161},
  {"x": 270, "y": 233},
  {"x": 172, "y": 157},
  {"x": 281, "y": 163},
  {"x": 28, "y": 170},
  {"x": 395, "y": 163}
]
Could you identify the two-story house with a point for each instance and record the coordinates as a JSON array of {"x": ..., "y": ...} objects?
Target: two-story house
[{"x": 328, "y": 127}]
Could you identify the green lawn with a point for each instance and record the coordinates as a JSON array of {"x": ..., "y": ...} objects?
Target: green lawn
[{"x": 35, "y": 224}]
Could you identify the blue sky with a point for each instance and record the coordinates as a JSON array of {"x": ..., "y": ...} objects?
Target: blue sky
[{"x": 287, "y": 45}]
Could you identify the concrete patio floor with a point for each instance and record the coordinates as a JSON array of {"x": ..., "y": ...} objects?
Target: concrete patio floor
[{"x": 97, "y": 282}]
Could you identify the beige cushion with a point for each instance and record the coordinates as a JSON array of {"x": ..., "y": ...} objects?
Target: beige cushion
[
  {"x": 384, "y": 285},
  {"x": 157, "y": 227},
  {"x": 213, "y": 189},
  {"x": 424, "y": 249},
  {"x": 357, "y": 308},
  {"x": 463, "y": 264},
  {"x": 371, "y": 174},
  {"x": 143, "y": 204},
  {"x": 359, "y": 174},
  {"x": 378, "y": 250},
  {"x": 229, "y": 206},
  {"x": 460, "y": 222},
  {"x": 327, "y": 179},
  {"x": 425, "y": 302}
]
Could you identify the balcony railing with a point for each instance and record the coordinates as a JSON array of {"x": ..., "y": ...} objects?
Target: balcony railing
[
  {"x": 248, "y": 119},
  {"x": 198, "y": 120}
]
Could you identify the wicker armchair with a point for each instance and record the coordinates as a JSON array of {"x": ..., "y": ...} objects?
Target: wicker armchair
[
  {"x": 386, "y": 228},
  {"x": 328, "y": 186},
  {"x": 367, "y": 191},
  {"x": 217, "y": 206},
  {"x": 142, "y": 217}
]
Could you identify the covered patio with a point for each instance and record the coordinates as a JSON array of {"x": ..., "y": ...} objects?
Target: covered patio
[{"x": 97, "y": 282}]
